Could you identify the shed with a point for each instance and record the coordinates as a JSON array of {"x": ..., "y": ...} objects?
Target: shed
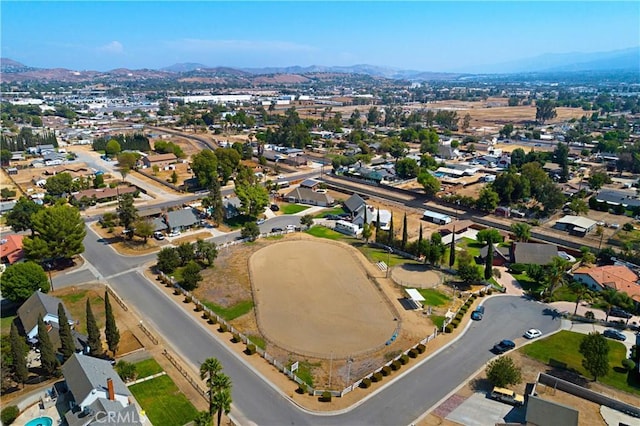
[{"x": 415, "y": 297}]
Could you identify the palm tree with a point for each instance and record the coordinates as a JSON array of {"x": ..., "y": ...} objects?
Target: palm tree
[
  {"x": 222, "y": 402},
  {"x": 580, "y": 291},
  {"x": 556, "y": 274},
  {"x": 209, "y": 369},
  {"x": 521, "y": 231}
]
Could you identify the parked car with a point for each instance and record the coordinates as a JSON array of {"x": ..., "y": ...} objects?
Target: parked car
[
  {"x": 477, "y": 314},
  {"x": 259, "y": 221},
  {"x": 332, "y": 217},
  {"x": 290, "y": 228},
  {"x": 614, "y": 334},
  {"x": 274, "y": 207},
  {"x": 503, "y": 346},
  {"x": 174, "y": 234},
  {"x": 277, "y": 229},
  {"x": 533, "y": 333},
  {"x": 506, "y": 395},
  {"x": 158, "y": 235},
  {"x": 619, "y": 313},
  {"x": 614, "y": 225}
]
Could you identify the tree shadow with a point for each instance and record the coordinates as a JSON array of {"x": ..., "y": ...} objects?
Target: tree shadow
[{"x": 480, "y": 385}]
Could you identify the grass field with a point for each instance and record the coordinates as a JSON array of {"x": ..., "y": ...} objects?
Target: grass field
[
  {"x": 163, "y": 402},
  {"x": 232, "y": 312},
  {"x": 471, "y": 246},
  {"x": 147, "y": 367},
  {"x": 292, "y": 208},
  {"x": 6, "y": 318},
  {"x": 433, "y": 297},
  {"x": 527, "y": 283},
  {"x": 76, "y": 305},
  {"x": 325, "y": 213},
  {"x": 562, "y": 349},
  {"x": 323, "y": 232}
]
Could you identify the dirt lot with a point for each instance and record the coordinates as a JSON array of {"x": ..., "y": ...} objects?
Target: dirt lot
[{"x": 343, "y": 298}]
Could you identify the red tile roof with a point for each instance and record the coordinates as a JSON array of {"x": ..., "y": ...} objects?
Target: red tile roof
[
  {"x": 11, "y": 248},
  {"x": 618, "y": 277}
]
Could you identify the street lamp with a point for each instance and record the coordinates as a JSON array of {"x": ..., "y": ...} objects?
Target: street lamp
[{"x": 49, "y": 266}]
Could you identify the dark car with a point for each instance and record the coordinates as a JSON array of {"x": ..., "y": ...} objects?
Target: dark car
[
  {"x": 277, "y": 229},
  {"x": 478, "y": 313},
  {"x": 614, "y": 334},
  {"x": 332, "y": 217},
  {"x": 274, "y": 207},
  {"x": 619, "y": 313},
  {"x": 503, "y": 346}
]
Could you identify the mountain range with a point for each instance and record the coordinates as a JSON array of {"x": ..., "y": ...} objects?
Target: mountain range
[{"x": 618, "y": 60}]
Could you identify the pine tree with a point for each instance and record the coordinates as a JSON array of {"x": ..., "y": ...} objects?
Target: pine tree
[
  {"x": 67, "y": 347},
  {"x": 378, "y": 236},
  {"x": 452, "y": 249},
  {"x": 111, "y": 329},
  {"x": 18, "y": 355},
  {"x": 390, "y": 237},
  {"x": 405, "y": 234},
  {"x": 420, "y": 242},
  {"x": 94, "y": 341},
  {"x": 48, "y": 360}
]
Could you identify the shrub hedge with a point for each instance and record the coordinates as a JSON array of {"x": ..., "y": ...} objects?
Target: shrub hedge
[
  {"x": 326, "y": 396},
  {"x": 386, "y": 370},
  {"x": 448, "y": 328},
  {"x": 421, "y": 348},
  {"x": 223, "y": 328},
  {"x": 395, "y": 365},
  {"x": 377, "y": 376},
  {"x": 9, "y": 414},
  {"x": 365, "y": 383}
]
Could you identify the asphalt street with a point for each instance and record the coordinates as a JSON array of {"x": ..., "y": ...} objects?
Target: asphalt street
[{"x": 396, "y": 403}]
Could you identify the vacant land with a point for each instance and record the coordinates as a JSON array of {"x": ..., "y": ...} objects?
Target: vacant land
[
  {"x": 319, "y": 301},
  {"x": 163, "y": 402}
]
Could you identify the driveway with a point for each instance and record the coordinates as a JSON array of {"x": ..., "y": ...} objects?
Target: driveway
[
  {"x": 507, "y": 281},
  {"x": 586, "y": 328}
]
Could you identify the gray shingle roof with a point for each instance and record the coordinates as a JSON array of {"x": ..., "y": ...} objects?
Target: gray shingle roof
[
  {"x": 84, "y": 373},
  {"x": 306, "y": 194},
  {"x": 39, "y": 304},
  {"x": 184, "y": 218},
  {"x": 354, "y": 203},
  {"x": 534, "y": 253}
]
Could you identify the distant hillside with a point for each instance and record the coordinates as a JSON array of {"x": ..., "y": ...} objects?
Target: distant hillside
[
  {"x": 184, "y": 67},
  {"x": 10, "y": 66},
  {"x": 626, "y": 59}
]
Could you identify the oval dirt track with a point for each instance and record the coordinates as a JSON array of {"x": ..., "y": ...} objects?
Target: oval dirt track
[{"x": 314, "y": 298}]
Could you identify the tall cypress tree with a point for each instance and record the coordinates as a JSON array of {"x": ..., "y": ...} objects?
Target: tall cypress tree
[
  {"x": 48, "y": 360},
  {"x": 419, "y": 253},
  {"x": 390, "y": 237},
  {"x": 18, "y": 355},
  {"x": 378, "y": 236},
  {"x": 405, "y": 233},
  {"x": 111, "y": 329},
  {"x": 94, "y": 341},
  {"x": 67, "y": 347},
  {"x": 488, "y": 266},
  {"x": 216, "y": 201},
  {"x": 452, "y": 249}
]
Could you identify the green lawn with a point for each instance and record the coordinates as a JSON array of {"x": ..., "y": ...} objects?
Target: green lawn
[
  {"x": 292, "y": 208},
  {"x": 258, "y": 341},
  {"x": 325, "y": 213},
  {"x": 232, "y": 312},
  {"x": 163, "y": 402},
  {"x": 323, "y": 232},
  {"x": 527, "y": 283},
  {"x": 433, "y": 297},
  {"x": 471, "y": 246},
  {"x": 305, "y": 371},
  {"x": 6, "y": 318},
  {"x": 376, "y": 254},
  {"x": 438, "y": 321},
  {"x": 147, "y": 367},
  {"x": 562, "y": 350}
]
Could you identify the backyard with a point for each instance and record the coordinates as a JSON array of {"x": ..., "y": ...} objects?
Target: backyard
[
  {"x": 163, "y": 402},
  {"x": 561, "y": 350}
]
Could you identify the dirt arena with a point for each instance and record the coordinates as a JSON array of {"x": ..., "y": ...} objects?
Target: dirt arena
[{"x": 318, "y": 301}]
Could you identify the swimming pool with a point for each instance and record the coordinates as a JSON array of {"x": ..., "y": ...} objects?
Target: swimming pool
[
  {"x": 40, "y": 421},
  {"x": 439, "y": 174}
]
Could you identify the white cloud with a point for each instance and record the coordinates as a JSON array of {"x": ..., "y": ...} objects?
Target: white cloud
[
  {"x": 114, "y": 47},
  {"x": 200, "y": 45}
]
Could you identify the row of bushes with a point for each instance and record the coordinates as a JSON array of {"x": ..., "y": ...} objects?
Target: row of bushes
[
  {"x": 455, "y": 322},
  {"x": 394, "y": 366}
]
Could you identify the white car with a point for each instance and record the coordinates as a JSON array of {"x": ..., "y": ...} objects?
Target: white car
[
  {"x": 533, "y": 333},
  {"x": 174, "y": 234},
  {"x": 259, "y": 221}
]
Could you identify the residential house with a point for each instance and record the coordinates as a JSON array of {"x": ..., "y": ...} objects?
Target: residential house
[
  {"x": 618, "y": 277},
  {"x": 575, "y": 225},
  {"x": 445, "y": 150},
  {"x": 178, "y": 220},
  {"x": 40, "y": 304},
  {"x": 615, "y": 198},
  {"x": 296, "y": 161},
  {"x": 310, "y": 183},
  {"x": 232, "y": 207},
  {"x": 102, "y": 195},
  {"x": 308, "y": 196},
  {"x": 160, "y": 160},
  {"x": 6, "y": 206},
  {"x": 354, "y": 205},
  {"x": 11, "y": 249},
  {"x": 97, "y": 391},
  {"x": 526, "y": 253}
]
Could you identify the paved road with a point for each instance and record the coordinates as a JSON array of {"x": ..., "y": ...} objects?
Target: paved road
[{"x": 399, "y": 402}]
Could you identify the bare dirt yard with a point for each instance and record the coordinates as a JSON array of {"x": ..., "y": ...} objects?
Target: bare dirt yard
[{"x": 319, "y": 300}]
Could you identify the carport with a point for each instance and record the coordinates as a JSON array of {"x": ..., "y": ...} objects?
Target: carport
[{"x": 415, "y": 297}]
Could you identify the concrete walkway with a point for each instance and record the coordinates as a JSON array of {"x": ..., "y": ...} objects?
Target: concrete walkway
[
  {"x": 586, "y": 328},
  {"x": 507, "y": 281},
  {"x": 584, "y": 307}
]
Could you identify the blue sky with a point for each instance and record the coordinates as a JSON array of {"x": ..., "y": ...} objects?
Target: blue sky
[{"x": 428, "y": 36}]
